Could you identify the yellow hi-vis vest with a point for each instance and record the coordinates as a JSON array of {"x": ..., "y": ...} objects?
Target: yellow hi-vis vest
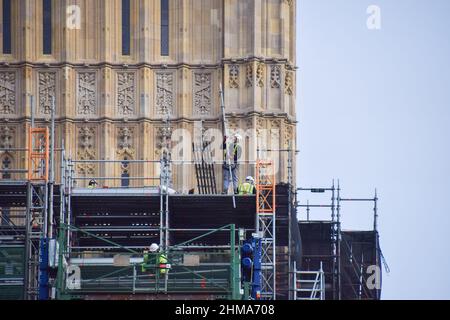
[
  {"x": 245, "y": 188},
  {"x": 231, "y": 156},
  {"x": 162, "y": 260}
]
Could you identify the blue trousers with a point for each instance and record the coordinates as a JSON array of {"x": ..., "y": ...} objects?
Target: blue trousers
[{"x": 227, "y": 179}]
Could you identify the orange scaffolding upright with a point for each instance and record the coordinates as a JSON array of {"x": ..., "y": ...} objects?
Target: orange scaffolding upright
[
  {"x": 37, "y": 207},
  {"x": 38, "y": 154},
  {"x": 265, "y": 225}
]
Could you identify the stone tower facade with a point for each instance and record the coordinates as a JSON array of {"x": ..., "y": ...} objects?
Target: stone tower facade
[{"x": 118, "y": 68}]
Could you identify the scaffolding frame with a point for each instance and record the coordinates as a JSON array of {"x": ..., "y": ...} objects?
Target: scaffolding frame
[
  {"x": 265, "y": 226},
  {"x": 337, "y": 239},
  {"x": 336, "y": 230}
]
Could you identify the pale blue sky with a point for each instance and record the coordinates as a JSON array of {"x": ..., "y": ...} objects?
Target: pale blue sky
[{"x": 374, "y": 111}]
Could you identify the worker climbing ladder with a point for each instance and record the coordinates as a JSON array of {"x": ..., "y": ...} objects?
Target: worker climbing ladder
[{"x": 265, "y": 225}]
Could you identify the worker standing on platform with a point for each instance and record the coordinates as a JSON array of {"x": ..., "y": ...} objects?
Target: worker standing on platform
[
  {"x": 232, "y": 153},
  {"x": 92, "y": 184},
  {"x": 248, "y": 187},
  {"x": 160, "y": 261}
]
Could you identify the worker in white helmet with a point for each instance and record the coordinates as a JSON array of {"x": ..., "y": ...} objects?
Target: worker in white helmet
[
  {"x": 159, "y": 259},
  {"x": 232, "y": 153},
  {"x": 248, "y": 187}
]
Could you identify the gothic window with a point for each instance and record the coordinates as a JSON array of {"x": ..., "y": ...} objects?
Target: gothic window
[
  {"x": 126, "y": 27},
  {"x": 47, "y": 26},
  {"x": 125, "y": 181},
  {"x": 6, "y": 11},
  {"x": 164, "y": 27}
]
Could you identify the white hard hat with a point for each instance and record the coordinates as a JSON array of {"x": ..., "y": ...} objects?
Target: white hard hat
[
  {"x": 154, "y": 247},
  {"x": 238, "y": 136},
  {"x": 250, "y": 178}
]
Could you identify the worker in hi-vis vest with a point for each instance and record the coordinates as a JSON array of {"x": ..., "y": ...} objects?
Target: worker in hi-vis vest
[
  {"x": 92, "y": 184},
  {"x": 154, "y": 258},
  {"x": 231, "y": 154},
  {"x": 248, "y": 187}
]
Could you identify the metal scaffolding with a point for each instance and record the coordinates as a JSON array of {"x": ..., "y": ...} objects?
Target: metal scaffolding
[
  {"x": 265, "y": 226},
  {"x": 349, "y": 262}
]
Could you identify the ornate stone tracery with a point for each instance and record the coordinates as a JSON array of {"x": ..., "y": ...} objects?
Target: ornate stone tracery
[
  {"x": 234, "y": 76},
  {"x": 47, "y": 91},
  {"x": 7, "y": 92},
  {"x": 125, "y": 146},
  {"x": 163, "y": 140},
  {"x": 289, "y": 83},
  {"x": 164, "y": 93},
  {"x": 126, "y": 93},
  {"x": 275, "y": 76},
  {"x": 6, "y": 137},
  {"x": 86, "y": 150},
  {"x": 202, "y": 94},
  {"x": 249, "y": 76},
  {"x": 87, "y": 93},
  {"x": 260, "y": 74}
]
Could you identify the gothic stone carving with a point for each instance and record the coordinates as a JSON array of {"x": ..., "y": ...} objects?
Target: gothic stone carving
[
  {"x": 275, "y": 76},
  {"x": 163, "y": 141},
  {"x": 86, "y": 150},
  {"x": 289, "y": 83},
  {"x": 87, "y": 93},
  {"x": 126, "y": 93},
  {"x": 288, "y": 137},
  {"x": 6, "y": 137},
  {"x": 7, "y": 92},
  {"x": 47, "y": 91},
  {"x": 125, "y": 148},
  {"x": 164, "y": 93},
  {"x": 249, "y": 76},
  {"x": 234, "y": 76},
  {"x": 260, "y": 72},
  {"x": 202, "y": 93}
]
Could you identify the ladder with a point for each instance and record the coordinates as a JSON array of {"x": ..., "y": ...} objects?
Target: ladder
[
  {"x": 204, "y": 168},
  {"x": 309, "y": 285}
]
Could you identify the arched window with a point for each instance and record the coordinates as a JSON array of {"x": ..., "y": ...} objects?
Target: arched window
[
  {"x": 126, "y": 27},
  {"x": 164, "y": 27},
  {"x": 6, "y": 14},
  {"x": 47, "y": 26}
]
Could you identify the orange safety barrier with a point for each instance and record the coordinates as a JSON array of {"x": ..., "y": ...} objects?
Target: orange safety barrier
[
  {"x": 265, "y": 187},
  {"x": 38, "y": 154}
]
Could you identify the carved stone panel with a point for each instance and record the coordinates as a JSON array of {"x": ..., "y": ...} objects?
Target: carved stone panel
[
  {"x": 202, "y": 94},
  {"x": 234, "y": 76},
  {"x": 125, "y": 143},
  {"x": 6, "y": 137},
  {"x": 249, "y": 76},
  {"x": 260, "y": 74},
  {"x": 86, "y": 93},
  {"x": 275, "y": 76},
  {"x": 289, "y": 83},
  {"x": 163, "y": 141},
  {"x": 86, "y": 149},
  {"x": 7, "y": 92},
  {"x": 126, "y": 93},
  {"x": 164, "y": 94},
  {"x": 47, "y": 91}
]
